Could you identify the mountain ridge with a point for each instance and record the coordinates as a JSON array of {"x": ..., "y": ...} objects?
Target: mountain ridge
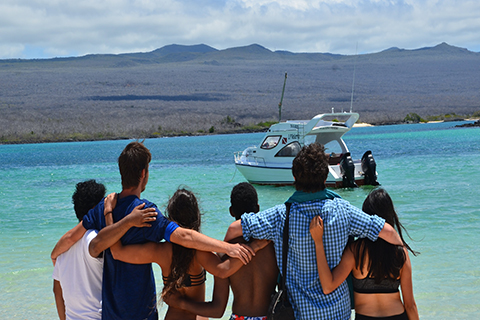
[
  {"x": 168, "y": 53},
  {"x": 181, "y": 89}
]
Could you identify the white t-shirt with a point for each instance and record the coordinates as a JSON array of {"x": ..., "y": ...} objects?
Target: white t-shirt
[{"x": 80, "y": 276}]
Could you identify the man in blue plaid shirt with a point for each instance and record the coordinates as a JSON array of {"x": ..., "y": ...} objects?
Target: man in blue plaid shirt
[{"x": 341, "y": 220}]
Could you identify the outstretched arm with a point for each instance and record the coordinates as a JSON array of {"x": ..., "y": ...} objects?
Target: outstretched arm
[
  {"x": 143, "y": 253},
  {"x": 195, "y": 240},
  {"x": 67, "y": 241},
  {"x": 224, "y": 268},
  {"x": 389, "y": 234},
  {"x": 330, "y": 280},
  {"x": 407, "y": 289},
  {"x": 139, "y": 217},
  {"x": 213, "y": 309}
]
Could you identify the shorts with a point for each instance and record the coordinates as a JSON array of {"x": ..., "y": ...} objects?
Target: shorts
[
  {"x": 235, "y": 317},
  {"x": 402, "y": 316}
]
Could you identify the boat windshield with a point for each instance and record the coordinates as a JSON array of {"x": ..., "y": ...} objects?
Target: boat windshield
[
  {"x": 290, "y": 150},
  {"x": 333, "y": 147},
  {"x": 270, "y": 142}
]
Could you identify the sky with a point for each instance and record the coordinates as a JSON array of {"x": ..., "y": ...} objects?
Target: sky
[{"x": 37, "y": 29}]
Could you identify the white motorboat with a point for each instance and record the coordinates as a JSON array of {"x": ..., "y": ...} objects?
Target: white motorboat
[{"x": 271, "y": 161}]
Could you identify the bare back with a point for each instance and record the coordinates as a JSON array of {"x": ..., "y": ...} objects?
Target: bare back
[
  {"x": 375, "y": 304},
  {"x": 253, "y": 284},
  {"x": 194, "y": 293}
]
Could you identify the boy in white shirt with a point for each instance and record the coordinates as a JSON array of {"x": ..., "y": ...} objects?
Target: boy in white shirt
[{"x": 77, "y": 275}]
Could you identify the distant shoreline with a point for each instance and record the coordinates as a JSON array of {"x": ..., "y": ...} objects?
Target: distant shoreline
[
  {"x": 232, "y": 131},
  {"x": 362, "y": 124}
]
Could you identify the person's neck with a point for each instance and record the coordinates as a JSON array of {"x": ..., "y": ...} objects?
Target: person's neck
[{"x": 130, "y": 192}]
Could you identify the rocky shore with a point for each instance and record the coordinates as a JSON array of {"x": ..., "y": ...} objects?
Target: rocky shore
[{"x": 469, "y": 125}]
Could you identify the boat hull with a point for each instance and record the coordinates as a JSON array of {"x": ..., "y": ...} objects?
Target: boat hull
[
  {"x": 266, "y": 175},
  {"x": 283, "y": 176}
]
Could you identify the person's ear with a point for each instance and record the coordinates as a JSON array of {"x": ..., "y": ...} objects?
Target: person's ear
[
  {"x": 257, "y": 208},
  {"x": 231, "y": 211}
]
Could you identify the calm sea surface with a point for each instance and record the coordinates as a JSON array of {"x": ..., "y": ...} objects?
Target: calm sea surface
[{"x": 432, "y": 172}]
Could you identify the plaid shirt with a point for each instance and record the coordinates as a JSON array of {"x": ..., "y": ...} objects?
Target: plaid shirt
[{"x": 341, "y": 220}]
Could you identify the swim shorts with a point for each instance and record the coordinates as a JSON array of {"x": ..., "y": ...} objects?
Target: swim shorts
[
  {"x": 402, "y": 316},
  {"x": 235, "y": 317}
]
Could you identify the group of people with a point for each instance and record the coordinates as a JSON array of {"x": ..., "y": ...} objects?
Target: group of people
[{"x": 103, "y": 266}]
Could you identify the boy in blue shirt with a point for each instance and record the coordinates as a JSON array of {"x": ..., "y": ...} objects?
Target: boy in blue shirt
[{"x": 129, "y": 290}]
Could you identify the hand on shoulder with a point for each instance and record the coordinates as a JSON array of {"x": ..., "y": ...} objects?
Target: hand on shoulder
[
  {"x": 140, "y": 217},
  {"x": 316, "y": 229}
]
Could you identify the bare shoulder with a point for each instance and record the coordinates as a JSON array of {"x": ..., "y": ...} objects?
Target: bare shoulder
[{"x": 162, "y": 253}]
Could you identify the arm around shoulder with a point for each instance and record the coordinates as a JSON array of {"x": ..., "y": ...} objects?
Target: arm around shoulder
[
  {"x": 144, "y": 253},
  {"x": 112, "y": 233},
  {"x": 212, "y": 309},
  {"x": 389, "y": 234},
  {"x": 107, "y": 237},
  {"x": 224, "y": 268},
  {"x": 67, "y": 241},
  {"x": 329, "y": 279},
  {"x": 195, "y": 240}
]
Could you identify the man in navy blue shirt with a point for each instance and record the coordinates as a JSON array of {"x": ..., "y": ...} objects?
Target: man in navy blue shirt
[{"x": 128, "y": 290}]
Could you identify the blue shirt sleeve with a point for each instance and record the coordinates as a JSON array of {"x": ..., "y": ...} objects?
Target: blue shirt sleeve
[
  {"x": 158, "y": 231},
  {"x": 88, "y": 221},
  {"x": 93, "y": 219},
  {"x": 262, "y": 225},
  {"x": 172, "y": 226}
]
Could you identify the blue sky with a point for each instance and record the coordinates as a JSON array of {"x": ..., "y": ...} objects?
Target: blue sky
[{"x": 55, "y": 28}]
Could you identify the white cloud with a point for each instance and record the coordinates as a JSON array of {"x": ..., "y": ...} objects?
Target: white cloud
[{"x": 47, "y": 28}]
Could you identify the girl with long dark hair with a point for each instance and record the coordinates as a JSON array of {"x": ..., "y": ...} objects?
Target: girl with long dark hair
[{"x": 378, "y": 268}]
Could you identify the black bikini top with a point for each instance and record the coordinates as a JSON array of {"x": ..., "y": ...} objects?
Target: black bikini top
[
  {"x": 192, "y": 280},
  {"x": 368, "y": 285}
]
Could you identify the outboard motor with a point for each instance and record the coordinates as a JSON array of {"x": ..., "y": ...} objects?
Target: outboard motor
[
  {"x": 369, "y": 168},
  {"x": 347, "y": 168}
]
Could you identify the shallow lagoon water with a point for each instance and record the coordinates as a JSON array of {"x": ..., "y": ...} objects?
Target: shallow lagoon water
[{"x": 432, "y": 172}]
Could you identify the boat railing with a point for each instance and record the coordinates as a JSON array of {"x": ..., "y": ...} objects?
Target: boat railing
[
  {"x": 260, "y": 161},
  {"x": 240, "y": 158}
]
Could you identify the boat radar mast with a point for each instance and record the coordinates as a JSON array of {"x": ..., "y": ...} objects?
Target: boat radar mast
[
  {"x": 281, "y": 100},
  {"x": 353, "y": 82}
]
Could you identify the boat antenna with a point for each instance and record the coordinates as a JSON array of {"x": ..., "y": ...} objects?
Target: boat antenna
[
  {"x": 353, "y": 82},
  {"x": 281, "y": 100}
]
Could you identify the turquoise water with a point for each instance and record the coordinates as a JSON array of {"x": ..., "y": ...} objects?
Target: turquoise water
[{"x": 432, "y": 172}]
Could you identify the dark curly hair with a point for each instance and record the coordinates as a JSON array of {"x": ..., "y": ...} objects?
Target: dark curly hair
[
  {"x": 243, "y": 199},
  {"x": 86, "y": 196},
  {"x": 385, "y": 260},
  {"x": 183, "y": 209},
  {"x": 310, "y": 168}
]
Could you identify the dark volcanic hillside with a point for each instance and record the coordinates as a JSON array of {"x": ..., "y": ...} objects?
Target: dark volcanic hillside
[{"x": 190, "y": 89}]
